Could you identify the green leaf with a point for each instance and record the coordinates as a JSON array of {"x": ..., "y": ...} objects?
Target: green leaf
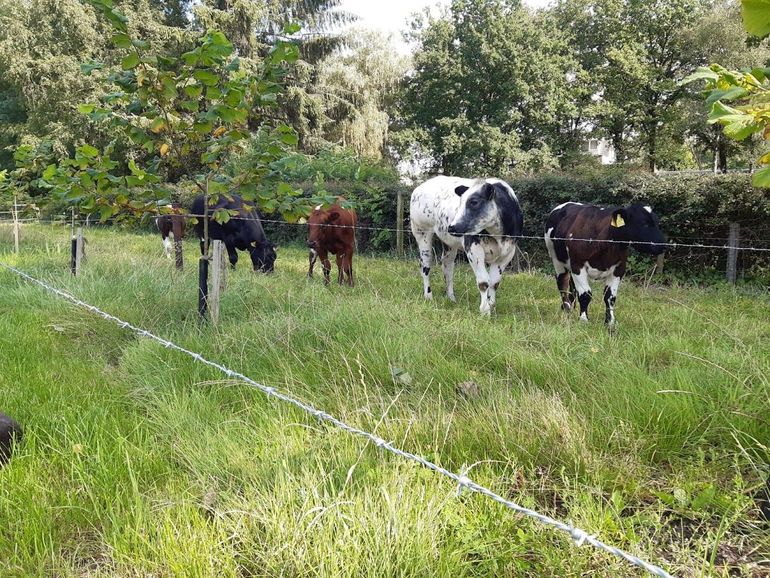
[
  {"x": 740, "y": 129},
  {"x": 121, "y": 40},
  {"x": 761, "y": 178},
  {"x": 729, "y": 94},
  {"x": 193, "y": 90},
  {"x": 88, "y": 67},
  {"x": 130, "y": 61},
  {"x": 720, "y": 112},
  {"x": 756, "y": 17},
  {"x": 140, "y": 44},
  {"x": 88, "y": 151},
  {"x": 292, "y": 28},
  {"x": 86, "y": 108},
  {"x": 203, "y": 127},
  {"x": 206, "y": 76},
  {"x": 702, "y": 73},
  {"x": 234, "y": 97}
]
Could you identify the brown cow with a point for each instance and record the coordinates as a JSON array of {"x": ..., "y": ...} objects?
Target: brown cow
[
  {"x": 332, "y": 230},
  {"x": 589, "y": 242}
]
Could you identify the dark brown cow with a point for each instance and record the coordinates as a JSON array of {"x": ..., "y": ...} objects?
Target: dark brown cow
[
  {"x": 613, "y": 230},
  {"x": 165, "y": 225},
  {"x": 332, "y": 230},
  {"x": 10, "y": 434}
]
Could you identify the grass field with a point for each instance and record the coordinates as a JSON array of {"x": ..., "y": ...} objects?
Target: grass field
[{"x": 138, "y": 462}]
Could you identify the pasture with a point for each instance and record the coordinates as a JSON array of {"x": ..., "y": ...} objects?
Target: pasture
[{"x": 139, "y": 462}]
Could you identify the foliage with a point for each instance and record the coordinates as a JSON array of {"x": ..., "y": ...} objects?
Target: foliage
[
  {"x": 369, "y": 186},
  {"x": 42, "y": 44},
  {"x": 747, "y": 89},
  {"x": 490, "y": 82},
  {"x": 189, "y": 115}
]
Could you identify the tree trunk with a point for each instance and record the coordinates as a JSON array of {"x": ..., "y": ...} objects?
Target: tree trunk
[
  {"x": 721, "y": 154},
  {"x": 652, "y": 145}
]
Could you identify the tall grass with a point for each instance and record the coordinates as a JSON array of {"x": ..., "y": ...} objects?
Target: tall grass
[{"x": 137, "y": 461}]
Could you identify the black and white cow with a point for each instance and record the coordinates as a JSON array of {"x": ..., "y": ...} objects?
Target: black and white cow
[
  {"x": 610, "y": 231},
  {"x": 480, "y": 216},
  {"x": 244, "y": 232}
]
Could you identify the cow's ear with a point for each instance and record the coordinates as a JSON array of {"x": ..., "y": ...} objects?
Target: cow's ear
[
  {"x": 618, "y": 218},
  {"x": 333, "y": 216},
  {"x": 253, "y": 243},
  {"x": 459, "y": 190},
  {"x": 488, "y": 191}
]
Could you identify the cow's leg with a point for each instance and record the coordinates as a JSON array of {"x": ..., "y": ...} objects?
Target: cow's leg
[
  {"x": 167, "y": 246},
  {"x": 448, "y": 265},
  {"x": 203, "y": 246},
  {"x": 327, "y": 266},
  {"x": 560, "y": 259},
  {"x": 496, "y": 275},
  {"x": 340, "y": 268},
  {"x": 475, "y": 253},
  {"x": 583, "y": 291},
  {"x": 611, "y": 285},
  {"x": 232, "y": 254},
  {"x": 425, "y": 244},
  {"x": 347, "y": 264},
  {"x": 312, "y": 258}
]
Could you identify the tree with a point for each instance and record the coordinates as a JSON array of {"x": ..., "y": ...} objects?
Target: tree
[
  {"x": 489, "y": 85},
  {"x": 748, "y": 91},
  {"x": 357, "y": 91},
  {"x": 194, "y": 106},
  {"x": 42, "y": 43}
]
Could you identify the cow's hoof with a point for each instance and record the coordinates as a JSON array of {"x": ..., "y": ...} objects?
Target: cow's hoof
[
  {"x": 429, "y": 296},
  {"x": 566, "y": 307},
  {"x": 583, "y": 318}
]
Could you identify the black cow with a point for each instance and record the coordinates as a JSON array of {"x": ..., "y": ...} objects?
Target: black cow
[
  {"x": 577, "y": 260},
  {"x": 10, "y": 434},
  {"x": 243, "y": 232}
]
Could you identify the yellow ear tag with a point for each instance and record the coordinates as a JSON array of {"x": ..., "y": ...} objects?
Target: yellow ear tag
[{"x": 617, "y": 221}]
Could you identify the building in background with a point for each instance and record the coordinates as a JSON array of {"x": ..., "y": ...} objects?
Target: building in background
[{"x": 600, "y": 147}]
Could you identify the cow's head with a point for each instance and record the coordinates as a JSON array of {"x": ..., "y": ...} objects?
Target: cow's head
[
  {"x": 640, "y": 226},
  {"x": 477, "y": 211},
  {"x": 263, "y": 256}
]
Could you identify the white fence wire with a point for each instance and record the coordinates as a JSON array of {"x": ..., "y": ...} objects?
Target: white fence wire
[{"x": 463, "y": 482}]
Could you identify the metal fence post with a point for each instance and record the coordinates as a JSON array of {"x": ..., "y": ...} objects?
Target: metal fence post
[
  {"x": 733, "y": 243},
  {"x": 400, "y": 224}
]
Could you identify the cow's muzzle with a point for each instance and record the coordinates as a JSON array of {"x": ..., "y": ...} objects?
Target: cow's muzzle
[{"x": 452, "y": 230}]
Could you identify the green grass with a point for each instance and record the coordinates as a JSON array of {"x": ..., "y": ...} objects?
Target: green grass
[{"x": 138, "y": 461}]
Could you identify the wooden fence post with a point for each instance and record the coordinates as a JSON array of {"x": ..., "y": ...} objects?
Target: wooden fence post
[
  {"x": 733, "y": 243},
  {"x": 77, "y": 252},
  {"x": 176, "y": 228},
  {"x": 16, "y": 226},
  {"x": 659, "y": 264},
  {"x": 217, "y": 280},
  {"x": 400, "y": 224}
]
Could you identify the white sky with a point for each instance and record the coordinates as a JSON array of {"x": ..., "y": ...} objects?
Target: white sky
[{"x": 390, "y": 16}]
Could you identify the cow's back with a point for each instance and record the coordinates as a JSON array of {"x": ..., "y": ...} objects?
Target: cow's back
[
  {"x": 434, "y": 204},
  {"x": 241, "y": 231}
]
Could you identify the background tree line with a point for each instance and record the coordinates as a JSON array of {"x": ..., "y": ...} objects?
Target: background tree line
[{"x": 493, "y": 87}]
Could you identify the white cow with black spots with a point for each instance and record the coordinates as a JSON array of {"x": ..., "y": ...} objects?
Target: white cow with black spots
[{"x": 480, "y": 216}]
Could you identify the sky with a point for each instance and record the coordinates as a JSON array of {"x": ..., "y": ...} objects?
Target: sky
[{"x": 390, "y": 16}]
